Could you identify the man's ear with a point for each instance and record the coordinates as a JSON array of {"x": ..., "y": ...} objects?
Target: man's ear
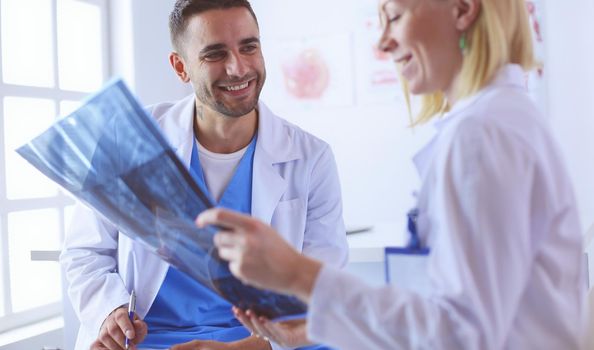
[
  {"x": 465, "y": 13},
  {"x": 179, "y": 66}
]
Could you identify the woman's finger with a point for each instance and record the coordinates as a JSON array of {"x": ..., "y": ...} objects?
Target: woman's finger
[
  {"x": 224, "y": 218},
  {"x": 227, "y": 239},
  {"x": 243, "y": 318},
  {"x": 258, "y": 326}
]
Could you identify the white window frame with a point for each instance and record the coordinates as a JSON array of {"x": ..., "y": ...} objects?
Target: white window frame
[{"x": 12, "y": 320}]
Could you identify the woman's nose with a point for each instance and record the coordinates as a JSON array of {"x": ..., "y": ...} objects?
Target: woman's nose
[{"x": 387, "y": 43}]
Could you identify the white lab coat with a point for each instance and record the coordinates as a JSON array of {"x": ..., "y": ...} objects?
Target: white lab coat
[
  {"x": 295, "y": 188},
  {"x": 497, "y": 210}
]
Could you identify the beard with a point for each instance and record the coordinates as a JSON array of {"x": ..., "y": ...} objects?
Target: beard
[{"x": 214, "y": 99}]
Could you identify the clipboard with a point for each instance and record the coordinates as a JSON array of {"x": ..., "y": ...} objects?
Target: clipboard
[{"x": 406, "y": 267}]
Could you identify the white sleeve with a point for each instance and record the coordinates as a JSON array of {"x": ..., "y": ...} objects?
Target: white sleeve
[
  {"x": 89, "y": 260},
  {"x": 325, "y": 234},
  {"x": 480, "y": 258}
]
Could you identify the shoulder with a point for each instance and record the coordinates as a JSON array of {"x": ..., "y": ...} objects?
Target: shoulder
[
  {"x": 504, "y": 118},
  {"x": 502, "y": 129},
  {"x": 159, "y": 109},
  {"x": 162, "y": 109},
  {"x": 285, "y": 134}
]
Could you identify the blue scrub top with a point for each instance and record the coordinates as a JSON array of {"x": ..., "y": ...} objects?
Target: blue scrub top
[{"x": 185, "y": 310}]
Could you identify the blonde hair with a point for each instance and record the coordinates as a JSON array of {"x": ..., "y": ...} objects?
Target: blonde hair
[{"x": 500, "y": 35}]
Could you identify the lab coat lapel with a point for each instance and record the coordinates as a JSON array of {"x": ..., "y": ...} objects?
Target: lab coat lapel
[
  {"x": 268, "y": 187},
  {"x": 274, "y": 147},
  {"x": 177, "y": 126}
]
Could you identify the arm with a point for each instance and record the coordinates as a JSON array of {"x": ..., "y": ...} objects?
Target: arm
[
  {"x": 249, "y": 343},
  {"x": 478, "y": 216},
  {"x": 325, "y": 234},
  {"x": 89, "y": 259},
  {"x": 478, "y": 210}
]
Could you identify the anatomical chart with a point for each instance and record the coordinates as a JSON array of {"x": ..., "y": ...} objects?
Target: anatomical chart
[
  {"x": 308, "y": 72},
  {"x": 346, "y": 69},
  {"x": 377, "y": 78},
  {"x": 536, "y": 79}
]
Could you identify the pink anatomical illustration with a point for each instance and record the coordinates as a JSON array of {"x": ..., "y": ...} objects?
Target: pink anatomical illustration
[
  {"x": 531, "y": 6},
  {"x": 382, "y": 73},
  {"x": 306, "y": 75},
  {"x": 533, "y": 11}
]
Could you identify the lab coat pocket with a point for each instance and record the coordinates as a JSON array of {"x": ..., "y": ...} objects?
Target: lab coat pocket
[{"x": 289, "y": 220}]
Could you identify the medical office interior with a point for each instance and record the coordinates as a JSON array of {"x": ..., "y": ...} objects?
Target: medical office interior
[{"x": 324, "y": 74}]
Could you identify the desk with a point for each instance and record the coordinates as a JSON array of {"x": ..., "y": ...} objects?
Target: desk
[
  {"x": 366, "y": 250},
  {"x": 369, "y": 246}
]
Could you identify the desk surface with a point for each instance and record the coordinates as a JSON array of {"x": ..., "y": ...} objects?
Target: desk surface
[
  {"x": 363, "y": 247},
  {"x": 369, "y": 246}
]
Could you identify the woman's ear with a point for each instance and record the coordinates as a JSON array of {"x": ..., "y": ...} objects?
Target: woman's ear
[
  {"x": 465, "y": 13},
  {"x": 179, "y": 66}
]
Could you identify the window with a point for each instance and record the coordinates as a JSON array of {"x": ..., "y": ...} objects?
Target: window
[{"x": 53, "y": 53}]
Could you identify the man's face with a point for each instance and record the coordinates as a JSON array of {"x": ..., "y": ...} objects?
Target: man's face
[{"x": 223, "y": 60}]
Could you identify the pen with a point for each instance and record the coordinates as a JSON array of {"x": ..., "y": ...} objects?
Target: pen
[{"x": 131, "y": 311}]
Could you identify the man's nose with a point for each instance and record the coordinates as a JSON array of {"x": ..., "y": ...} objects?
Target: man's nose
[{"x": 236, "y": 65}]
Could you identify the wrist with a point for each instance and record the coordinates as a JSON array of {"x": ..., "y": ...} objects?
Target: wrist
[
  {"x": 111, "y": 313},
  {"x": 304, "y": 273},
  {"x": 250, "y": 343}
]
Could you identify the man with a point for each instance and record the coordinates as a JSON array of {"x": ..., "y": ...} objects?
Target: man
[{"x": 246, "y": 158}]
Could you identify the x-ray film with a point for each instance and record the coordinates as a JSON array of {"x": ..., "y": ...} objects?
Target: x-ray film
[{"x": 112, "y": 156}]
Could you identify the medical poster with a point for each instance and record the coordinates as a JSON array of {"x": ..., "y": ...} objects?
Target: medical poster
[
  {"x": 310, "y": 72},
  {"x": 377, "y": 78},
  {"x": 345, "y": 68},
  {"x": 536, "y": 79}
]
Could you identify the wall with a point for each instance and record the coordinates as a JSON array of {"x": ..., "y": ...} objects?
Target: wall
[
  {"x": 372, "y": 146},
  {"x": 570, "y": 66},
  {"x": 140, "y": 36},
  {"x": 371, "y": 143}
]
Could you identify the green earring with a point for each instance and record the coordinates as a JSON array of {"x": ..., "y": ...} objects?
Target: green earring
[{"x": 463, "y": 44}]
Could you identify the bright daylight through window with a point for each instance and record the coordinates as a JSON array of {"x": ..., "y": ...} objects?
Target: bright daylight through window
[{"x": 53, "y": 53}]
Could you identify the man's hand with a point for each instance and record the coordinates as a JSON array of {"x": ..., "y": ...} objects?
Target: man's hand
[
  {"x": 250, "y": 343},
  {"x": 116, "y": 327},
  {"x": 201, "y": 345},
  {"x": 288, "y": 334}
]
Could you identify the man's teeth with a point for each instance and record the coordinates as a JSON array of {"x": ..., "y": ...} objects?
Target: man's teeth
[{"x": 237, "y": 87}]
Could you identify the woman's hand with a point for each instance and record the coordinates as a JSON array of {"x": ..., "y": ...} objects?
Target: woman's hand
[
  {"x": 259, "y": 256},
  {"x": 287, "y": 334}
]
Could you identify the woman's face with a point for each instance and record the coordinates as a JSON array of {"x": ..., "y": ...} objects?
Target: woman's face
[{"x": 422, "y": 38}]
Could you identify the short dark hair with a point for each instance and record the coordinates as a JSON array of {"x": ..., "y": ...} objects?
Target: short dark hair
[{"x": 185, "y": 9}]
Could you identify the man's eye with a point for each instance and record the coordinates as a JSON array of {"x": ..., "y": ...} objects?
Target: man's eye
[
  {"x": 214, "y": 56},
  {"x": 250, "y": 48}
]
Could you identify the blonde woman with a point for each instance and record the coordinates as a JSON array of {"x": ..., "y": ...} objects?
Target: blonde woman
[{"x": 495, "y": 207}]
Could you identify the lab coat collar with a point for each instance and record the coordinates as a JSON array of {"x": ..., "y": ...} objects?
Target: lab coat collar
[
  {"x": 177, "y": 127},
  {"x": 275, "y": 145},
  {"x": 510, "y": 75}
]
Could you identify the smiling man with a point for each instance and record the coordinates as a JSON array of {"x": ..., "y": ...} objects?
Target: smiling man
[{"x": 244, "y": 157}]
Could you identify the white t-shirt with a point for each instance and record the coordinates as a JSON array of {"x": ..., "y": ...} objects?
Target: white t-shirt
[{"x": 218, "y": 169}]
